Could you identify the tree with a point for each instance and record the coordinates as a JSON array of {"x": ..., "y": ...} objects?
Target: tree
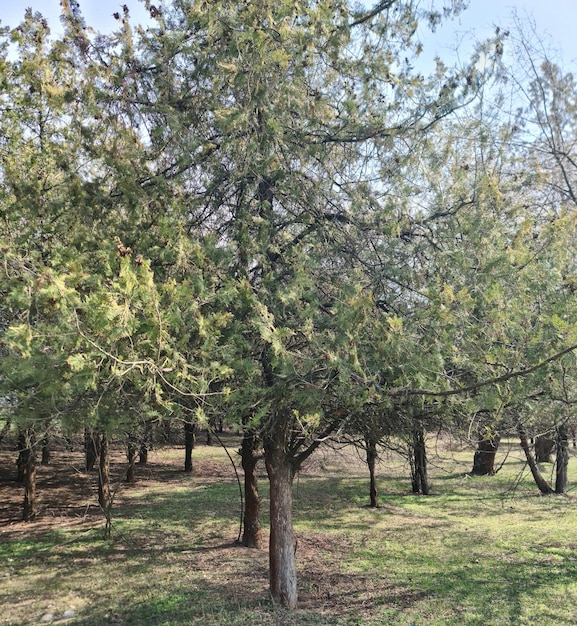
[
  {"x": 267, "y": 115},
  {"x": 283, "y": 218}
]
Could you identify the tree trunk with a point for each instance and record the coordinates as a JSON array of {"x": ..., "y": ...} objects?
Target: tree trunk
[
  {"x": 283, "y": 577},
  {"x": 90, "y": 449},
  {"x": 131, "y": 456},
  {"x": 104, "y": 474},
  {"x": 371, "y": 448},
  {"x": 145, "y": 445},
  {"x": 6, "y": 428},
  {"x": 167, "y": 432},
  {"x": 544, "y": 446},
  {"x": 541, "y": 483},
  {"x": 29, "y": 476},
  {"x": 419, "y": 478},
  {"x": 484, "y": 460},
  {"x": 46, "y": 451},
  {"x": 562, "y": 446},
  {"x": 22, "y": 458},
  {"x": 189, "y": 441},
  {"x": 249, "y": 453},
  {"x": 143, "y": 454}
]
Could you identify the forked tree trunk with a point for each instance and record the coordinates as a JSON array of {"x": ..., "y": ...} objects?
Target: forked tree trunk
[
  {"x": 419, "y": 479},
  {"x": 562, "y": 462},
  {"x": 541, "y": 483},
  {"x": 29, "y": 508},
  {"x": 282, "y": 566},
  {"x": 371, "y": 448},
  {"x": 249, "y": 452},
  {"x": 189, "y": 441},
  {"x": 484, "y": 459}
]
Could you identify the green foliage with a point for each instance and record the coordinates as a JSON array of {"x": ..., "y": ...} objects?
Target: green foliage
[{"x": 261, "y": 210}]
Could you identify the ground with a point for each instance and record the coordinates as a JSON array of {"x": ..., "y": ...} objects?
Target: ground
[
  {"x": 173, "y": 559},
  {"x": 68, "y": 501}
]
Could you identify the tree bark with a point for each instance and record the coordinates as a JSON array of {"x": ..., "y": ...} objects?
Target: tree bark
[
  {"x": 104, "y": 474},
  {"x": 29, "y": 508},
  {"x": 484, "y": 459},
  {"x": 541, "y": 483},
  {"x": 143, "y": 454},
  {"x": 562, "y": 462},
  {"x": 90, "y": 449},
  {"x": 22, "y": 459},
  {"x": 46, "y": 451},
  {"x": 544, "y": 446},
  {"x": 189, "y": 441},
  {"x": 249, "y": 453},
  {"x": 131, "y": 450},
  {"x": 145, "y": 444},
  {"x": 6, "y": 428},
  {"x": 419, "y": 479},
  {"x": 282, "y": 566},
  {"x": 167, "y": 432},
  {"x": 371, "y": 448}
]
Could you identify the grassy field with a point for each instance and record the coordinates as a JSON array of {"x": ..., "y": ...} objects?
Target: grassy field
[{"x": 483, "y": 551}]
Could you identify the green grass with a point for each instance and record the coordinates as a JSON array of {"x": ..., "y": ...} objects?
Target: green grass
[{"x": 482, "y": 551}]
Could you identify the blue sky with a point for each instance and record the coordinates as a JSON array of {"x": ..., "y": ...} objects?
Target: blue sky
[{"x": 555, "y": 21}]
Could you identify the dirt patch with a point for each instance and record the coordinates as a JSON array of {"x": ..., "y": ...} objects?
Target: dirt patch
[{"x": 68, "y": 495}]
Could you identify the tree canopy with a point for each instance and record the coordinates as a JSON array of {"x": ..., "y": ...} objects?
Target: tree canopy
[{"x": 264, "y": 210}]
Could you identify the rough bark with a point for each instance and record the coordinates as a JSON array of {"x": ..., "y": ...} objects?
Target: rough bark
[
  {"x": 562, "y": 461},
  {"x": 544, "y": 446},
  {"x": 282, "y": 565},
  {"x": 189, "y": 441},
  {"x": 167, "y": 432},
  {"x": 29, "y": 508},
  {"x": 90, "y": 449},
  {"x": 541, "y": 483},
  {"x": 143, "y": 454},
  {"x": 420, "y": 480},
  {"x": 484, "y": 459},
  {"x": 250, "y": 455},
  {"x": 46, "y": 451},
  {"x": 5, "y": 429},
  {"x": 104, "y": 474},
  {"x": 145, "y": 444},
  {"x": 21, "y": 460},
  {"x": 371, "y": 449},
  {"x": 131, "y": 450}
]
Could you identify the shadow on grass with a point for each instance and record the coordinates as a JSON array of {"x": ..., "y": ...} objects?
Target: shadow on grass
[
  {"x": 172, "y": 560},
  {"x": 493, "y": 592}
]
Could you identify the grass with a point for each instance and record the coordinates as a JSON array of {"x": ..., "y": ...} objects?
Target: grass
[{"x": 482, "y": 551}]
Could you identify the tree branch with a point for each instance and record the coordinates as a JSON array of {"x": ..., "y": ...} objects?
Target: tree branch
[
  {"x": 396, "y": 393},
  {"x": 361, "y": 18}
]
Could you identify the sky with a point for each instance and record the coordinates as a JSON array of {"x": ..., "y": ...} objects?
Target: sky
[{"x": 555, "y": 21}]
